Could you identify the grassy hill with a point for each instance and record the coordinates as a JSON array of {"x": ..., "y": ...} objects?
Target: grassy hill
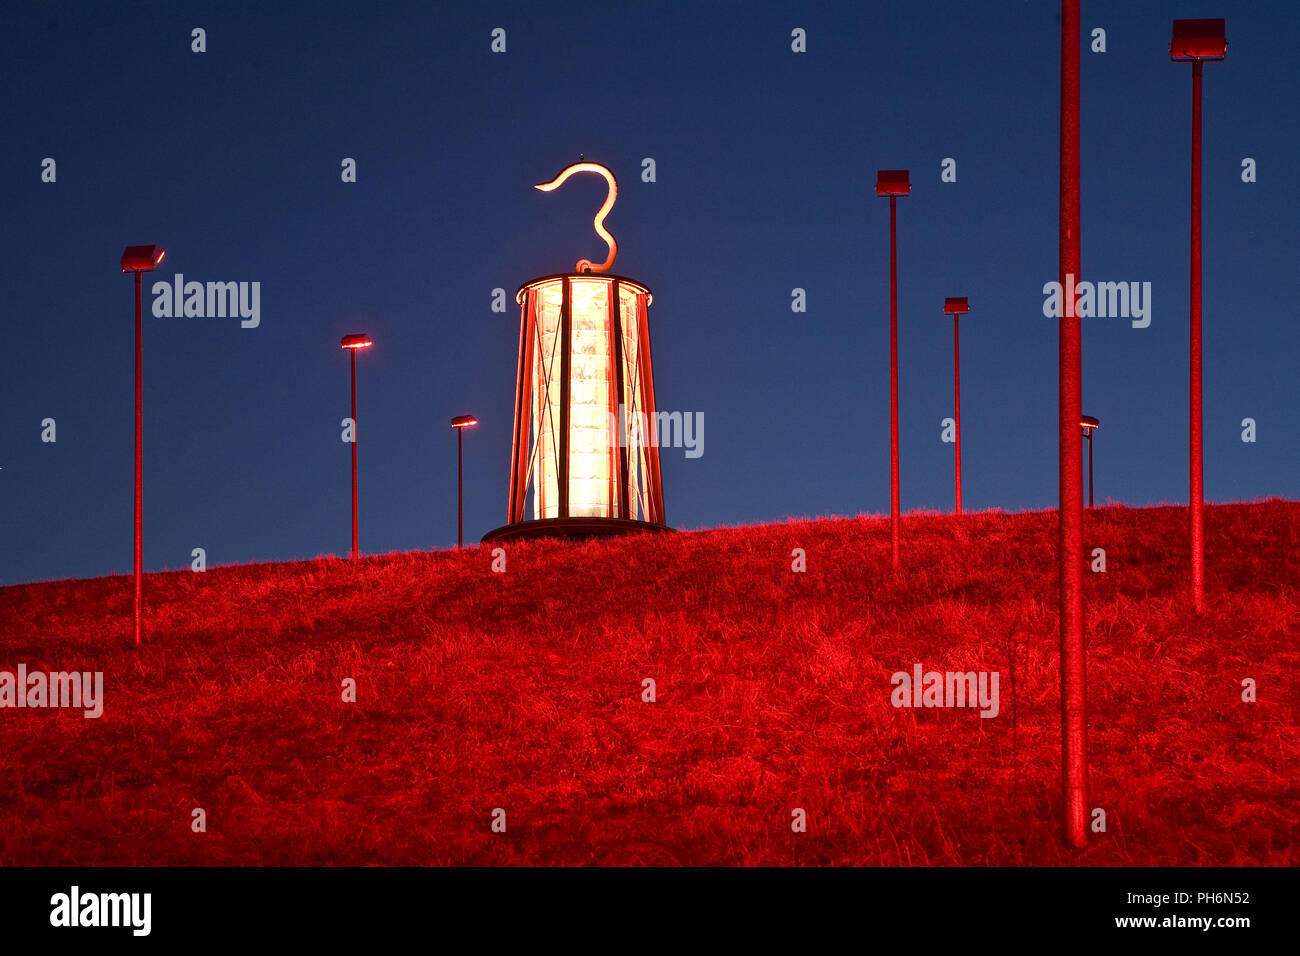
[{"x": 523, "y": 691}]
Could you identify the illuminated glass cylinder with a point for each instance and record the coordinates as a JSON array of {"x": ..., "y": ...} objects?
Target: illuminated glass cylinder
[{"x": 583, "y": 444}]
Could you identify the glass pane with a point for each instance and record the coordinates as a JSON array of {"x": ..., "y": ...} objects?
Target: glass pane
[{"x": 589, "y": 399}]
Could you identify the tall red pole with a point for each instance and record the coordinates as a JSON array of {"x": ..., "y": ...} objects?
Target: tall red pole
[
  {"x": 353, "y": 354},
  {"x": 139, "y": 469},
  {"x": 1196, "y": 464},
  {"x": 894, "y": 522},
  {"x": 1074, "y": 754},
  {"x": 460, "y": 499},
  {"x": 956, "y": 387}
]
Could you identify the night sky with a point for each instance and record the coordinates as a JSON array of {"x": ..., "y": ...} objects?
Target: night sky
[{"x": 765, "y": 162}]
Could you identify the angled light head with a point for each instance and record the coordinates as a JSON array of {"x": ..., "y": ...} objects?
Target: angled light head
[
  {"x": 1198, "y": 40},
  {"x": 892, "y": 182},
  {"x": 358, "y": 340},
  {"x": 956, "y": 306},
  {"x": 1088, "y": 423},
  {"x": 142, "y": 258},
  {"x": 463, "y": 421}
]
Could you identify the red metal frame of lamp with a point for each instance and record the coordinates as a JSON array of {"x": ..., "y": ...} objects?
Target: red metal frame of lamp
[{"x": 567, "y": 525}]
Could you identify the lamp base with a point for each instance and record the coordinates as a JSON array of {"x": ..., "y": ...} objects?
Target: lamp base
[{"x": 571, "y": 529}]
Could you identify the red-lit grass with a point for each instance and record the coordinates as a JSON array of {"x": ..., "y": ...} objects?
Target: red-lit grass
[{"x": 523, "y": 691}]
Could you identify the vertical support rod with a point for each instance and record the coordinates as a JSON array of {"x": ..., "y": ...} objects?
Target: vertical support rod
[
  {"x": 1196, "y": 463},
  {"x": 517, "y": 431},
  {"x": 566, "y": 355},
  {"x": 460, "y": 495},
  {"x": 956, "y": 386},
  {"x": 1074, "y": 754},
  {"x": 138, "y": 547},
  {"x": 623, "y": 498},
  {"x": 894, "y": 522},
  {"x": 1089, "y": 467},
  {"x": 653, "y": 476},
  {"x": 352, "y": 353}
]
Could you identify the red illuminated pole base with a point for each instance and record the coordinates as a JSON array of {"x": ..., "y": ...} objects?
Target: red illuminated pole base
[
  {"x": 139, "y": 470},
  {"x": 1074, "y": 753}
]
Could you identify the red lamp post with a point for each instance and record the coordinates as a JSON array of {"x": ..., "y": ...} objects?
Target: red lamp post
[
  {"x": 956, "y": 308},
  {"x": 1074, "y": 713},
  {"x": 893, "y": 183},
  {"x": 1197, "y": 41},
  {"x": 139, "y": 259},
  {"x": 1089, "y": 424},
  {"x": 354, "y": 343},
  {"x": 460, "y": 423}
]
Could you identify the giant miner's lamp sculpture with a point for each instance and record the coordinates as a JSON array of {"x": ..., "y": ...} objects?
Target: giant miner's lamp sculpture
[
  {"x": 354, "y": 343},
  {"x": 956, "y": 308},
  {"x": 139, "y": 259},
  {"x": 584, "y": 454},
  {"x": 1197, "y": 40},
  {"x": 893, "y": 183}
]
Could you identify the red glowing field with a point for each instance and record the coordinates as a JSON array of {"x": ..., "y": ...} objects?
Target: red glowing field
[{"x": 522, "y": 690}]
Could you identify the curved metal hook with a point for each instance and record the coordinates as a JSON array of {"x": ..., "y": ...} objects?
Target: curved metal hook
[{"x": 586, "y": 265}]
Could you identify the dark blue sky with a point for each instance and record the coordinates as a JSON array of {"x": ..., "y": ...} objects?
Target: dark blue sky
[{"x": 766, "y": 163}]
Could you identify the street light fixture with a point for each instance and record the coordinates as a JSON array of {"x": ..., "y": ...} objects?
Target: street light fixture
[
  {"x": 139, "y": 259},
  {"x": 1089, "y": 425},
  {"x": 893, "y": 183},
  {"x": 460, "y": 423},
  {"x": 956, "y": 308},
  {"x": 1197, "y": 41},
  {"x": 355, "y": 343}
]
